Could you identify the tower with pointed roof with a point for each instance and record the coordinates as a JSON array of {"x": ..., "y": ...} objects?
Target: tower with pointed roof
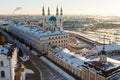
[
  {"x": 48, "y": 11},
  {"x": 57, "y": 16},
  {"x": 43, "y": 17},
  {"x": 61, "y": 19},
  {"x": 103, "y": 57}
]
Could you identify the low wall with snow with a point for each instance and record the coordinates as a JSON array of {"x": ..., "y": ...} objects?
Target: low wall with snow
[{"x": 63, "y": 73}]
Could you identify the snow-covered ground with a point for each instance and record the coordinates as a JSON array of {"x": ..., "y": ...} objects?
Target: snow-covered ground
[
  {"x": 57, "y": 68},
  {"x": 110, "y": 35},
  {"x": 28, "y": 71}
]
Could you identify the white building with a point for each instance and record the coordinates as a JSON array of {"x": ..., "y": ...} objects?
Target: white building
[
  {"x": 49, "y": 32},
  {"x": 8, "y": 61}
]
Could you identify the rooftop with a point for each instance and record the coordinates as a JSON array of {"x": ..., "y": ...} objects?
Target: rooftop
[
  {"x": 69, "y": 58},
  {"x": 115, "y": 77},
  {"x": 38, "y": 32},
  {"x": 7, "y": 49},
  {"x": 105, "y": 69},
  {"x": 52, "y": 18},
  {"x": 108, "y": 47}
]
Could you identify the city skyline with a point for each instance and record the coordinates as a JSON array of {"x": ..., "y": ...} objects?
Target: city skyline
[{"x": 71, "y": 7}]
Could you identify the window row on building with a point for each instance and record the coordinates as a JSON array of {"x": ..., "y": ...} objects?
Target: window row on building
[
  {"x": 58, "y": 41},
  {"x": 58, "y": 37},
  {"x": 32, "y": 39}
]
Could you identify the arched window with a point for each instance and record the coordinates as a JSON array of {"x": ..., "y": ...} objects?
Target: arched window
[
  {"x": 52, "y": 42},
  {"x": 52, "y": 37},
  {"x": 2, "y": 74},
  {"x": 56, "y": 37},
  {"x": 2, "y": 63},
  {"x": 49, "y": 38},
  {"x": 59, "y": 37}
]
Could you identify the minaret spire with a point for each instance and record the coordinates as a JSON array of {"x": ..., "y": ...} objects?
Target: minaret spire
[
  {"x": 48, "y": 11},
  {"x": 104, "y": 44},
  {"x": 43, "y": 17},
  {"x": 103, "y": 57},
  {"x": 61, "y": 11},
  {"x": 43, "y": 11},
  {"x": 57, "y": 11}
]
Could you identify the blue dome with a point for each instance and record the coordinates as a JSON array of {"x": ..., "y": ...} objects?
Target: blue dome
[{"x": 52, "y": 18}]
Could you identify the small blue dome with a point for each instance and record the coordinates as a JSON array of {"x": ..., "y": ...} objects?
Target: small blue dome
[{"x": 52, "y": 18}]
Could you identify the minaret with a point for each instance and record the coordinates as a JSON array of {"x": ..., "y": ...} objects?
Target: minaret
[
  {"x": 61, "y": 11},
  {"x": 48, "y": 16},
  {"x": 43, "y": 16},
  {"x": 43, "y": 11},
  {"x": 61, "y": 19},
  {"x": 103, "y": 57},
  {"x": 57, "y": 16},
  {"x": 48, "y": 11},
  {"x": 57, "y": 11}
]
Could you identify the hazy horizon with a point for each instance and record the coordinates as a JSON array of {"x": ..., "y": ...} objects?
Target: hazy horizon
[{"x": 70, "y": 7}]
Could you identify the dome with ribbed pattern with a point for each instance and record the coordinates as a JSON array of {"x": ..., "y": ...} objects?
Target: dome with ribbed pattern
[{"x": 52, "y": 18}]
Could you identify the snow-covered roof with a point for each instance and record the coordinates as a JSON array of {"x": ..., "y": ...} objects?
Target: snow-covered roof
[
  {"x": 115, "y": 77},
  {"x": 110, "y": 64},
  {"x": 88, "y": 53},
  {"x": 97, "y": 36},
  {"x": 5, "y": 49},
  {"x": 108, "y": 47},
  {"x": 68, "y": 57},
  {"x": 38, "y": 32},
  {"x": 105, "y": 69}
]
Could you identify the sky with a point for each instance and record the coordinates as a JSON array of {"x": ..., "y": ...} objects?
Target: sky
[{"x": 70, "y": 7}]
